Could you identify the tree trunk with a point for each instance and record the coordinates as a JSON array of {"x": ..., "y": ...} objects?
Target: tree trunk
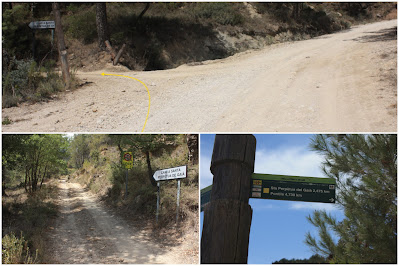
[
  {"x": 63, "y": 54},
  {"x": 147, "y": 155},
  {"x": 26, "y": 179},
  {"x": 147, "y": 6},
  {"x": 102, "y": 24},
  {"x": 44, "y": 175},
  {"x": 192, "y": 144}
]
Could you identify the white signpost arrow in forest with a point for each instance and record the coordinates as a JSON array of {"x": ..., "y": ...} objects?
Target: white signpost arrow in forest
[
  {"x": 171, "y": 173},
  {"x": 35, "y": 25},
  {"x": 42, "y": 24},
  {"x": 168, "y": 174}
]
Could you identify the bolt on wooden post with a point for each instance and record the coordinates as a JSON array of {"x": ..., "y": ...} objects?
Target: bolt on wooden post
[{"x": 227, "y": 218}]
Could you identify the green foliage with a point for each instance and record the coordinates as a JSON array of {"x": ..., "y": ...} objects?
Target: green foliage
[
  {"x": 15, "y": 33},
  {"x": 104, "y": 174},
  {"x": 314, "y": 259},
  {"x": 220, "y": 12},
  {"x": 86, "y": 148},
  {"x": 24, "y": 80},
  {"x": 31, "y": 217},
  {"x": 6, "y": 121},
  {"x": 37, "y": 157},
  {"x": 16, "y": 251},
  {"x": 365, "y": 167},
  {"x": 82, "y": 26},
  {"x": 79, "y": 150}
]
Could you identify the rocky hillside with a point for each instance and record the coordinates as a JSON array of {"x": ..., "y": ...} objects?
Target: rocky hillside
[{"x": 166, "y": 35}]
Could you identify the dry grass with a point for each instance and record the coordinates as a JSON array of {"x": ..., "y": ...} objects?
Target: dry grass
[{"x": 30, "y": 215}]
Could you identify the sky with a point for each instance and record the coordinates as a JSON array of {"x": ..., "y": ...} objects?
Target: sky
[{"x": 278, "y": 227}]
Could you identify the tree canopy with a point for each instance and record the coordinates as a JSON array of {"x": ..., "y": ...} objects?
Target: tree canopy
[
  {"x": 365, "y": 168},
  {"x": 38, "y": 156}
]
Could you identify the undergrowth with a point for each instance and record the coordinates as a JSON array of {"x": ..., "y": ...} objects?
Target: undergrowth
[
  {"x": 104, "y": 176},
  {"x": 28, "y": 216},
  {"x": 24, "y": 80},
  {"x": 16, "y": 251}
]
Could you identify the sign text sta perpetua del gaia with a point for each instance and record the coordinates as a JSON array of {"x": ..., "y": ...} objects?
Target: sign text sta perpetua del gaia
[{"x": 295, "y": 188}]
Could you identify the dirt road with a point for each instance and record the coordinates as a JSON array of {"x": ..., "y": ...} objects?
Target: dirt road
[
  {"x": 340, "y": 82},
  {"x": 87, "y": 233}
]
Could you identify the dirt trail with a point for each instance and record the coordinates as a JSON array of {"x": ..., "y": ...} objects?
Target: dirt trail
[
  {"x": 87, "y": 233},
  {"x": 340, "y": 82}
]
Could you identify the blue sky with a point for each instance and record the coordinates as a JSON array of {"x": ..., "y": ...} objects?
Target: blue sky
[{"x": 278, "y": 227}]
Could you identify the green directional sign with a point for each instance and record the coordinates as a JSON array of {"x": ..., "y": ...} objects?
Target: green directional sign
[
  {"x": 205, "y": 196},
  {"x": 294, "y": 188}
]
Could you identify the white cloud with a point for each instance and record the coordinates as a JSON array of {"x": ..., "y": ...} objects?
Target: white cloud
[
  {"x": 260, "y": 205},
  {"x": 297, "y": 161},
  {"x": 313, "y": 206}
]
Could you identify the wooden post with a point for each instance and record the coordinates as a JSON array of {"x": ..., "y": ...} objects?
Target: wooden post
[
  {"x": 110, "y": 49},
  {"x": 227, "y": 218},
  {"x": 63, "y": 54},
  {"x": 34, "y": 44},
  {"x": 118, "y": 56}
]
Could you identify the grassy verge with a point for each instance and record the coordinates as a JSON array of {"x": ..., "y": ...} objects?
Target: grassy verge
[{"x": 25, "y": 219}]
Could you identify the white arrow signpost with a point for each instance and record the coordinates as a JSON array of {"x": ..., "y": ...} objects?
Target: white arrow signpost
[
  {"x": 169, "y": 174},
  {"x": 38, "y": 25},
  {"x": 42, "y": 24}
]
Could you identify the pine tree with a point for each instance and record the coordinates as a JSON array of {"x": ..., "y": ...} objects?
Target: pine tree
[
  {"x": 144, "y": 144},
  {"x": 102, "y": 24},
  {"x": 365, "y": 168}
]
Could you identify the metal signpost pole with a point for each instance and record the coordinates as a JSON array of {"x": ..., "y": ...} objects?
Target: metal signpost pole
[
  {"x": 169, "y": 174},
  {"x": 127, "y": 174},
  {"x": 158, "y": 196},
  {"x": 178, "y": 201},
  {"x": 227, "y": 218}
]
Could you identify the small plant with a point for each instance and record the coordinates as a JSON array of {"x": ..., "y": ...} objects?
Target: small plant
[
  {"x": 6, "y": 121},
  {"x": 16, "y": 251}
]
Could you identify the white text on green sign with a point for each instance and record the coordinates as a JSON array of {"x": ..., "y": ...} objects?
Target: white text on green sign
[{"x": 294, "y": 188}]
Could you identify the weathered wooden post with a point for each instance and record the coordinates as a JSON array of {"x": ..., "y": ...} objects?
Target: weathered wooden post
[
  {"x": 227, "y": 218},
  {"x": 63, "y": 55},
  {"x": 118, "y": 56}
]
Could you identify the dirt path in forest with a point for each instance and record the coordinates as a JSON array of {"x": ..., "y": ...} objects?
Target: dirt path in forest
[
  {"x": 86, "y": 233},
  {"x": 340, "y": 82}
]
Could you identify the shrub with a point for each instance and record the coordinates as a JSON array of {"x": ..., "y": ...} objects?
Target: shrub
[
  {"x": 222, "y": 13},
  {"x": 16, "y": 251},
  {"x": 81, "y": 25},
  {"x": 25, "y": 81}
]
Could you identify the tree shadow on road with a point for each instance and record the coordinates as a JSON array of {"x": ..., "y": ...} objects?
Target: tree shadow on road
[{"x": 379, "y": 36}]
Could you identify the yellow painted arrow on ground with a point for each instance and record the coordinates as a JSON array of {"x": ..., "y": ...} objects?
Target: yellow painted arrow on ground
[{"x": 148, "y": 91}]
